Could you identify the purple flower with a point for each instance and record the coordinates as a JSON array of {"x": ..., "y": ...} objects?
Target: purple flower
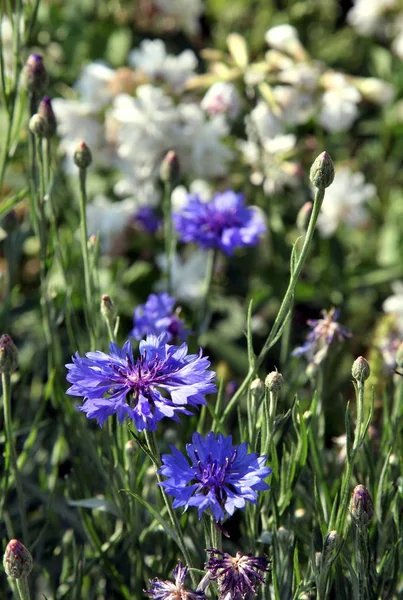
[
  {"x": 324, "y": 332},
  {"x": 168, "y": 590},
  {"x": 238, "y": 576},
  {"x": 224, "y": 222},
  {"x": 157, "y": 316},
  {"x": 116, "y": 383},
  {"x": 221, "y": 477},
  {"x": 147, "y": 217}
]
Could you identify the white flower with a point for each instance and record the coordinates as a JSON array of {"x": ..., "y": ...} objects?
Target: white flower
[
  {"x": 7, "y": 44},
  {"x": 366, "y": 15},
  {"x": 198, "y": 186},
  {"x": 296, "y": 106},
  {"x": 185, "y": 12},
  {"x": 109, "y": 220},
  {"x": 394, "y": 304},
  {"x": 221, "y": 98},
  {"x": 93, "y": 85},
  {"x": 345, "y": 202},
  {"x": 302, "y": 75},
  {"x": 152, "y": 59},
  {"x": 188, "y": 275},
  {"x": 339, "y": 103},
  {"x": 285, "y": 39},
  {"x": 200, "y": 147},
  {"x": 375, "y": 90},
  {"x": 75, "y": 123},
  {"x": 397, "y": 45}
]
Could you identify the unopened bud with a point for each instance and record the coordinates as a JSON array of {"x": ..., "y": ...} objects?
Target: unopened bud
[
  {"x": 131, "y": 448},
  {"x": 8, "y": 354},
  {"x": 37, "y": 126},
  {"x": 330, "y": 547},
  {"x": 82, "y": 156},
  {"x": 274, "y": 382},
  {"x": 399, "y": 355},
  {"x": 361, "y": 505},
  {"x": 303, "y": 216},
  {"x": 45, "y": 110},
  {"x": 170, "y": 171},
  {"x": 17, "y": 560},
  {"x": 322, "y": 171},
  {"x": 35, "y": 76},
  {"x": 361, "y": 369},
  {"x": 108, "y": 309}
]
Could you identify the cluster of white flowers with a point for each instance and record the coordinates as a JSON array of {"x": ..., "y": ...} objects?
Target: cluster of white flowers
[
  {"x": 394, "y": 304},
  {"x": 186, "y": 13}
]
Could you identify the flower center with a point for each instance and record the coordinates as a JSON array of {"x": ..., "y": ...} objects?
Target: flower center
[{"x": 211, "y": 474}]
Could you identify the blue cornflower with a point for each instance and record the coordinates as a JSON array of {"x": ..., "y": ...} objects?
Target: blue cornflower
[
  {"x": 224, "y": 222},
  {"x": 237, "y": 576},
  {"x": 148, "y": 219},
  {"x": 221, "y": 477},
  {"x": 324, "y": 332},
  {"x": 168, "y": 590},
  {"x": 116, "y": 383},
  {"x": 157, "y": 316}
]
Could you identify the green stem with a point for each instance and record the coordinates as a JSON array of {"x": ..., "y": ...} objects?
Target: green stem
[
  {"x": 215, "y": 534},
  {"x": 6, "y": 383},
  {"x": 168, "y": 231},
  {"x": 211, "y": 258},
  {"x": 285, "y": 305},
  {"x": 361, "y": 548},
  {"x": 86, "y": 258},
  {"x": 23, "y": 589}
]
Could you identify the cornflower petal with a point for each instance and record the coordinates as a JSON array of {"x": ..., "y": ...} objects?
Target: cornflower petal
[{"x": 157, "y": 316}]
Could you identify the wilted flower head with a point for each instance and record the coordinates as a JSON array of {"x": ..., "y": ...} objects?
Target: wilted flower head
[
  {"x": 324, "y": 332},
  {"x": 169, "y": 590},
  {"x": 238, "y": 576},
  {"x": 221, "y": 477},
  {"x": 17, "y": 560},
  {"x": 157, "y": 316},
  {"x": 116, "y": 383},
  {"x": 224, "y": 222}
]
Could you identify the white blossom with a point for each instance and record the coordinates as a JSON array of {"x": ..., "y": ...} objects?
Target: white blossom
[
  {"x": 7, "y": 44},
  {"x": 366, "y": 15},
  {"x": 185, "y": 12},
  {"x": 188, "y": 275},
  {"x": 282, "y": 37},
  {"x": 296, "y": 106},
  {"x": 93, "y": 85},
  {"x": 109, "y": 220},
  {"x": 200, "y": 187},
  {"x": 394, "y": 304},
  {"x": 345, "y": 202},
  {"x": 152, "y": 58},
  {"x": 339, "y": 104},
  {"x": 221, "y": 98}
]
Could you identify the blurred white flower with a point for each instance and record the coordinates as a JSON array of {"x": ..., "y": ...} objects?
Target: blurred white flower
[
  {"x": 7, "y": 44},
  {"x": 200, "y": 146},
  {"x": 394, "y": 304},
  {"x": 285, "y": 38},
  {"x": 76, "y": 122},
  {"x": 221, "y": 98},
  {"x": 109, "y": 220},
  {"x": 345, "y": 202},
  {"x": 187, "y": 275},
  {"x": 397, "y": 44},
  {"x": 185, "y": 12},
  {"x": 366, "y": 15},
  {"x": 198, "y": 186},
  {"x": 339, "y": 103},
  {"x": 152, "y": 59},
  {"x": 93, "y": 85},
  {"x": 302, "y": 75},
  {"x": 375, "y": 90},
  {"x": 296, "y": 106}
]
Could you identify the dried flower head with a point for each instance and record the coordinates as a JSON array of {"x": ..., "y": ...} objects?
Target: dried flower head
[
  {"x": 173, "y": 590},
  {"x": 238, "y": 576}
]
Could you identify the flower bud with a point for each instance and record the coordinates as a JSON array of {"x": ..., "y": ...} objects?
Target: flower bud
[
  {"x": 361, "y": 369},
  {"x": 37, "y": 126},
  {"x": 35, "y": 76},
  {"x": 361, "y": 505},
  {"x": 304, "y": 216},
  {"x": 322, "y": 171},
  {"x": 82, "y": 156},
  {"x": 45, "y": 110},
  {"x": 8, "y": 354},
  {"x": 131, "y": 448},
  {"x": 170, "y": 170},
  {"x": 108, "y": 310},
  {"x": 17, "y": 560},
  {"x": 330, "y": 547},
  {"x": 274, "y": 382}
]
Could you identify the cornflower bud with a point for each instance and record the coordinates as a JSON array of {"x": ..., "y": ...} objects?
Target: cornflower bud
[
  {"x": 45, "y": 110},
  {"x": 170, "y": 170},
  {"x": 257, "y": 386},
  {"x": 361, "y": 505},
  {"x": 330, "y": 547},
  {"x": 274, "y": 382},
  {"x": 17, "y": 560},
  {"x": 37, "y": 125},
  {"x": 322, "y": 171},
  {"x": 361, "y": 369},
  {"x": 108, "y": 309},
  {"x": 82, "y": 156},
  {"x": 35, "y": 76},
  {"x": 8, "y": 354}
]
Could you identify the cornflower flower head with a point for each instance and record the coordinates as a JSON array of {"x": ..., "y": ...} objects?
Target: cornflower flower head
[
  {"x": 323, "y": 333},
  {"x": 238, "y": 576},
  {"x": 157, "y": 316},
  {"x": 169, "y": 590},
  {"x": 221, "y": 477},
  {"x": 224, "y": 222},
  {"x": 160, "y": 383}
]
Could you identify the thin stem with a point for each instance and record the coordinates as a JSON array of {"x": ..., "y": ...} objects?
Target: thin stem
[
  {"x": 23, "y": 588},
  {"x": 211, "y": 258},
  {"x": 285, "y": 305},
  {"x": 86, "y": 258},
  {"x": 168, "y": 231},
  {"x": 5, "y": 379}
]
